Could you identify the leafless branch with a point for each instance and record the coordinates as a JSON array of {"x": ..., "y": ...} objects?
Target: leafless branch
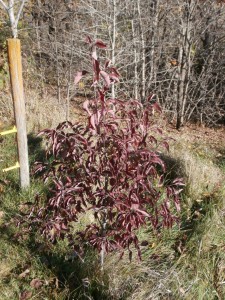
[
  {"x": 4, "y": 5},
  {"x": 19, "y": 12}
]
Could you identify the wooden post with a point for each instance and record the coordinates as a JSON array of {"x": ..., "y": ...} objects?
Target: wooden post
[{"x": 15, "y": 69}]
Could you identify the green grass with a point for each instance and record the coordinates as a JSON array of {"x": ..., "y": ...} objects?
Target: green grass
[
  {"x": 185, "y": 262},
  {"x": 62, "y": 276}
]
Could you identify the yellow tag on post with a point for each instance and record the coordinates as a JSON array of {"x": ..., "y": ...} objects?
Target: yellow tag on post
[
  {"x": 13, "y": 130},
  {"x": 17, "y": 165}
]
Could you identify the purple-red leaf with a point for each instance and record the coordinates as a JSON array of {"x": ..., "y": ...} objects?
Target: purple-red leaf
[
  {"x": 157, "y": 107},
  {"x": 166, "y": 145},
  {"x": 88, "y": 40},
  {"x": 85, "y": 106},
  {"x": 78, "y": 76},
  {"x": 107, "y": 63},
  {"x": 96, "y": 69},
  {"x": 94, "y": 53},
  {"x": 178, "y": 182},
  {"x": 114, "y": 77},
  {"x": 106, "y": 78},
  {"x": 100, "y": 44}
]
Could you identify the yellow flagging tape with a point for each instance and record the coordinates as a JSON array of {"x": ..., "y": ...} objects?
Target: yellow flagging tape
[
  {"x": 17, "y": 165},
  {"x": 13, "y": 130}
]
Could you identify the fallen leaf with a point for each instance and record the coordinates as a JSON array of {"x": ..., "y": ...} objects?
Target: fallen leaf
[
  {"x": 144, "y": 243},
  {"x": 153, "y": 245},
  {"x": 24, "y": 274},
  {"x": 25, "y": 295},
  {"x": 86, "y": 282},
  {"x": 23, "y": 207},
  {"x": 79, "y": 75},
  {"x": 36, "y": 283},
  {"x": 182, "y": 291},
  {"x": 57, "y": 283}
]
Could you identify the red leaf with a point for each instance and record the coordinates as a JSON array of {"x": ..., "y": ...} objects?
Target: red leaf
[
  {"x": 179, "y": 182},
  {"x": 112, "y": 181},
  {"x": 166, "y": 145},
  {"x": 100, "y": 44},
  {"x": 102, "y": 96},
  {"x": 151, "y": 99},
  {"x": 157, "y": 107},
  {"x": 93, "y": 121},
  {"x": 96, "y": 69},
  {"x": 114, "y": 71},
  {"x": 88, "y": 39},
  {"x": 144, "y": 213},
  {"x": 177, "y": 205},
  {"x": 114, "y": 77},
  {"x": 106, "y": 78},
  {"x": 94, "y": 53},
  {"x": 57, "y": 226},
  {"x": 85, "y": 106},
  {"x": 64, "y": 227},
  {"x": 107, "y": 63},
  {"x": 78, "y": 76}
]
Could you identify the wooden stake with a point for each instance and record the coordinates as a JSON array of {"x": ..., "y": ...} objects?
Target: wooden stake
[{"x": 15, "y": 69}]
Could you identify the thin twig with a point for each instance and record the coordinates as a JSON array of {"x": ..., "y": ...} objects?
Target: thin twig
[
  {"x": 19, "y": 12},
  {"x": 4, "y": 5}
]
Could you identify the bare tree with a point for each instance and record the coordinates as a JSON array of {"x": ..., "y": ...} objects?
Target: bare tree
[
  {"x": 170, "y": 48},
  {"x": 14, "y": 10}
]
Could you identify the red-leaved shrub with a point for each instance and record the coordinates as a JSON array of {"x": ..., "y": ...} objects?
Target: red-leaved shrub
[{"x": 109, "y": 166}]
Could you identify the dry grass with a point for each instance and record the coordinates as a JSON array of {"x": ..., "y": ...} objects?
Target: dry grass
[
  {"x": 138, "y": 280},
  {"x": 41, "y": 111},
  {"x": 6, "y": 108},
  {"x": 186, "y": 262},
  {"x": 201, "y": 175}
]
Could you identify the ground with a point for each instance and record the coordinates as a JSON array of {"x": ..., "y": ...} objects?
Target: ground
[{"x": 186, "y": 262}]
